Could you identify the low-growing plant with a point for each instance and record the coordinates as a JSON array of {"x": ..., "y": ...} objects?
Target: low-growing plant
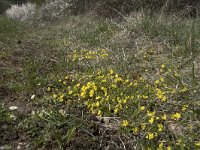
[{"x": 154, "y": 111}]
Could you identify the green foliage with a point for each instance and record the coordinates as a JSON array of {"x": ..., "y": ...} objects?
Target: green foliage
[{"x": 50, "y": 127}]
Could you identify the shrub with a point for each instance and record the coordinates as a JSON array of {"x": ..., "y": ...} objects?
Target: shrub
[
  {"x": 24, "y": 12},
  {"x": 52, "y": 9}
]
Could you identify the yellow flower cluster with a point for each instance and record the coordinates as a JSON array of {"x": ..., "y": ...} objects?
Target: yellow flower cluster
[
  {"x": 145, "y": 108},
  {"x": 89, "y": 54},
  {"x": 176, "y": 116}
]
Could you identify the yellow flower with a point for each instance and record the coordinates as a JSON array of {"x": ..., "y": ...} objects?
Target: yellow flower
[
  {"x": 105, "y": 91},
  {"x": 160, "y": 146},
  {"x": 160, "y": 127},
  {"x": 168, "y": 148},
  {"x": 163, "y": 66},
  {"x": 98, "y": 97},
  {"x": 114, "y": 86},
  {"x": 151, "y": 120},
  {"x": 162, "y": 79},
  {"x": 70, "y": 92},
  {"x": 95, "y": 88},
  {"x": 135, "y": 130},
  {"x": 48, "y": 89},
  {"x": 126, "y": 80},
  {"x": 125, "y": 123},
  {"x": 184, "y": 108},
  {"x": 117, "y": 79},
  {"x": 54, "y": 95},
  {"x": 99, "y": 113},
  {"x": 164, "y": 117},
  {"x": 145, "y": 97},
  {"x": 142, "y": 108},
  {"x": 157, "y": 82},
  {"x": 61, "y": 98},
  {"x": 143, "y": 126},
  {"x": 97, "y": 103},
  {"x": 91, "y": 93},
  {"x": 197, "y": 143},
  {"x": 111, "y": 72},
  {"x": 116, "y": 110},
  {"x": 78, "y": 84},
  {"x": 149, "y": 113},
  {"x": 150, "y": 135},
  {"x": 103, "y": 81},
  {"x": 176, "y": 116},
  {"x": 89, "y": 84},
  {"x": 84, "y": 88}
]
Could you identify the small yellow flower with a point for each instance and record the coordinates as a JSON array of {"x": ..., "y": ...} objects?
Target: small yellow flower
[
  {"x": 151, "y": 120},
  {"x": 116, "y": 110},
  {"x": 61, "y": 98},
  {"x": 97, "y": 103},
  {"x": 48, "y": 89},
  {"x": 164, "y": 117},
  {"x": 70, "y": 92},
  {"x": 150, "y": 135},
  {"x": 103, "y": 81},
  {"x": 160, "y": 127},
  {"x": 143, "y": 126},
  {"x": 168, "y": 148},
  {"x": 78, "y": 84},
  {"x": 184, "y": 108},
  {"x": 162, "y": 79},
  {"x": 126, "y": 80},
  {"x": 160, "y": 146},
  {"x": 149, "y": 113},
  {"x": 135, "y": 130},
  {"x": 142, "y": 108},
  {"x": 113, "y": 86},
  {"x": 197, "y": 143},
  {"x": 98, "y": 97},
  {"x": 111, "y": 72},
  {"x": 99, "y": 113},
  {"x": 91, "y": 93},
  {"x": 157, "y": 82},
  {"x": 176, "y": 116},
  {"x": 163, "y": 66},
  {"x": 145, "y": 97},
  {"x": 54, "y": 95},
  {"x": 125, "y": 123}
]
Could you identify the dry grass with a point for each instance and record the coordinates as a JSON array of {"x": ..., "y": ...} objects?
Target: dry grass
[{"x": 145, "y": 58}]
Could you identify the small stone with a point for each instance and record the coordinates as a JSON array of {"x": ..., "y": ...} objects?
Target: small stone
[{"x": 13, "y": 107}]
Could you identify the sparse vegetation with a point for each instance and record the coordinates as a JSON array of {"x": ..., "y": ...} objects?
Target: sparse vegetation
[{"x": 83, "y": 82}]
